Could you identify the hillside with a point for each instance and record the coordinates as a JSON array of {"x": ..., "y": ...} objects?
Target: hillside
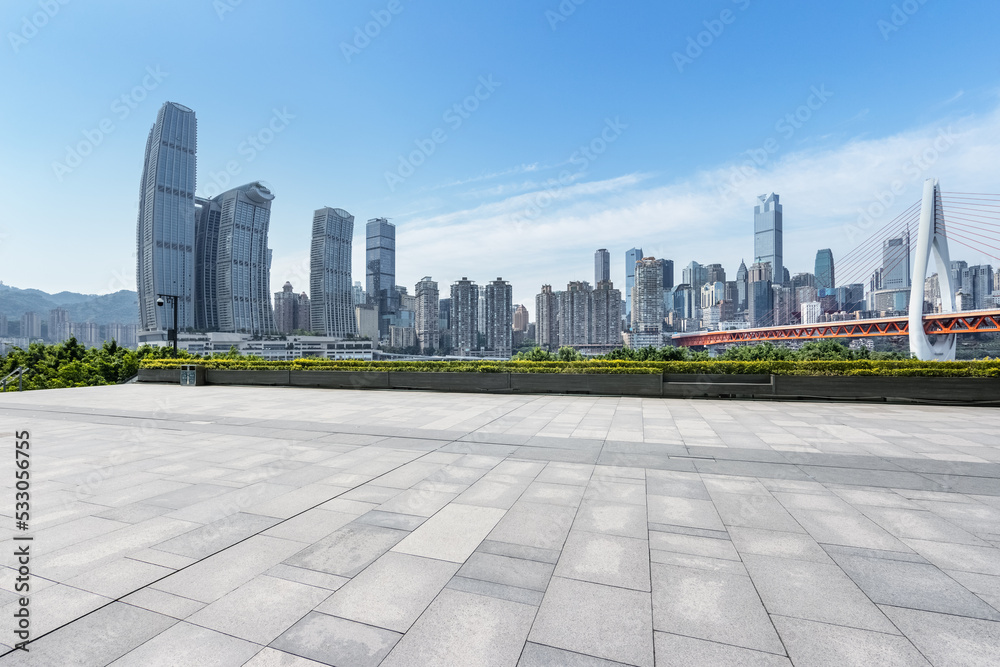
[{"x": 121, "y": 307}]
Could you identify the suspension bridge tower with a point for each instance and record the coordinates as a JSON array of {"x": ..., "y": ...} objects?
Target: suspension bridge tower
[{"x": 931, "y": 238}]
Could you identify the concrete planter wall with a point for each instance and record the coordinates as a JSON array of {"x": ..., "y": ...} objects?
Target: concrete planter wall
[{"x": 862, "y": 388}]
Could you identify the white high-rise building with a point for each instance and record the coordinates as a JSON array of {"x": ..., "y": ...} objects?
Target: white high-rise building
[
  {"x": 647, "y": 304},
  {"x": 330, "y": 289}
]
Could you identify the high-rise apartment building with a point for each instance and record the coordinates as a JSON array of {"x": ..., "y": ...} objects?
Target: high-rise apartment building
[
  {"x": 464, "y": 316},
  {"x": 380, "y": 270},
  {"x": 521, "y": 318},
  {"x": 575, "y": 314},
  {"x": 546, "y": 318},
  {"x": 358, "y": 293},
  {"x": 602, "y": 265},
  {"x": 124, "y": 335},
  {"x": 165, "y": 228},
  {"x": 331, "y": 296},
  {"x": 825, "y": 276},
  {"x": 428, "y": 316},
  {"x": 233, "y": 262},
  {"x": 291, "y": 310},
  {"x": 366, "y": 320},
  {"x": 896, "y": 272},
  {"x": 760, "y": 296},
  {"x": 58, "y": 325},
  {"x": 977, "y": 283},
  {"x": 631, "y": 257},
  {"x": 499, "y": 325},
  {"x": 767, "y": 241},
  {"x": 647, "y": 304},
  {"x": 31, "y": 325},
  {"x": 606, "y": 318}
]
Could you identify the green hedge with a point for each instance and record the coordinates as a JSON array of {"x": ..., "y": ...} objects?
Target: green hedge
[{"x": 911, "y": 367}]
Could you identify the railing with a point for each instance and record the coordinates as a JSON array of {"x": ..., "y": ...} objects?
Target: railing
[{"x": 19, "y": 372}]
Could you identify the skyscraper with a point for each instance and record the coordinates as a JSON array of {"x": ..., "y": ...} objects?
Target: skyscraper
[
  {"x": 233, "y": 262},
  {"x": 647, "y": 304},
  {"x": 546, "y": 316},
  {"x": 767, "y": 243},
  {"x": 977, "y": 283},
  {"x": 575, "y": 314},
  {"x": 58, "y": 325},
  {"x": 631, "y": 257},
  {"x": 825, "y": 277},
  {"x": 714, "y": 273},
  {"x": 668, "y": 272},
  {"x": 521, "y": 318},
  {"x": 464, "y": 315},
  {"x": 760, "y": 296},
  {"x": 332, "y": 301},
  {"x": 291, "y": 310},
  {"x": 427, "y": 319},
  {"x": 742, "y": 286},
  {"x": 165, "y": 226},
  {"x": 602, "y": 265},
  {"x": 380, "y": 270},
  {"x": 896, "y": 272},
  {"x": 606, "y": 320},
  {"x": 499, "y": 325},
  {"x": 695, "y": 275}
]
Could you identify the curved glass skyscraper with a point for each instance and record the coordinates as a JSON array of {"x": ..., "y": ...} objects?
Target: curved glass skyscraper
[
  {"x": 165, "y": 228},
  {"x": 330, "y": 289}
]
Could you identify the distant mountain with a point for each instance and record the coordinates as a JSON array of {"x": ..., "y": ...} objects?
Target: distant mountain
[{"x": 120, "y": 307}]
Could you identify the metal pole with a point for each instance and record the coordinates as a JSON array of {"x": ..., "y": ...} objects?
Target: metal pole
[
  {"x": 20, "y": 380},
  {"x": 175, "y": 327}
]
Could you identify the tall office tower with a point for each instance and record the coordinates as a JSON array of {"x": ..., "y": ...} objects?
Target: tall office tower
[
  {"x": 575, "y": 314},
  {"x": 767, "y": 243},
  {"x": 957, "y": 269},
  {"x": 825, "y": 276},
  {"x": 606, "y": 319},
  {"x": 602, "y": 265},
  {"x": 742, "y": 287},
  {"x": 712, "y": 294},
  {"x": 546, "y": 317},
  {"x": 851, "y": 298},
  {"x": 977, "y": 282},
  {"x": 760, "y": 296},
  {"x": 695, "y": 275},
  {"x": 805, "y": 294},
  {"x": 715, "y": 273},
  {"x": 165, "y": 226},
  {"x": 380, "y": 270},
  {"x": 31, "y": 325},
  {"x": 521, "y": 318},
  {"x": 804, "y": 280},
  {"x": 631, "y": 257},
  {"x": 647, "y": 302},
  {"x": 896, "y": 272},
  {"x": 58, "y": 325},
  {"x": 428, "y": 315},
  {"x": 732, "y": 293},
  {"x": 358, "y": 293},
  {"x": 996, "y": 282},
  {"x": 668, "y": 273},
  {"x": 233, "y": 262},
  {"x": 464, "y": 316},
  {"x": 331, "y": 299},
  {"x": 499, "y": 325},
  {"x": 783, "y": 298}
]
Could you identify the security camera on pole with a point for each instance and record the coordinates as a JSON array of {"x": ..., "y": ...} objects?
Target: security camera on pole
[{"x": 171, "y": 333}]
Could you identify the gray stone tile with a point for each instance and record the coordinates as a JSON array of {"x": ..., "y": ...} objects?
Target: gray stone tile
[
  {"x": 913, "y": 585},
  {"x": 310, "y": 526},
  {"x": 921, "y": 525},
  {"x": 495, "y": 590},
  {"x": 188, "y": 495},
  {"x": 967, "y": 558},
  {"x": 494, "y": 493},
  {"x": 908, "y": 557},
  {"x": 464, "y": 629},
  {"x": 534, "y": 525},
  {"x": 848, "y": 529},
  {"x": 813, "y": 591},
  {"x": 684, "y": 530},
  {"x": 270, "y": 657},
  {"x": 285, "y": 603},
  {"x": 823, "y": 645},
  {"x": 218, "y": 535},
  {"x": 684, "y": 512},
  {"x": 369, "y": 493},
  {"x": 605, "y": 559},
  {"x": 949, "y": 640},
  {"x": 578, "y": 475},
  {"x": 537, "y": 655},
  {"x": 418, "y": 502},
  {"x": 507, "y": 570},
  {"x": 593, "y": 619},
  {"x": 95, "y": 639},
  {"x": 553, "y": 494},
  {"x": 697, "y": 562},
  {"x": 302, "y": 575},
  {"x": 677, "y": 485},
  {"x": 163, "y": 603},
  {"x": 678, "y": 651},
  {"x": 348, "y": 550},
  {"x": 690, "y": 544},
  {"x": 519, "y": 551},
  {"x": 714, "y": 606},
  {"x": 391, "y": 520},
  {"x": 611, "y": 490},
  {"x": 391, "y": 592},
  {"x": 754, "y": 511},
  {"x": 600, "y": 516},
  {"x": 186, "y": 644},
  {"x": 56, "y": 605},
  {"x": 336, "y": 641},
  {"x": 119, "y": 577},
  {"x": 452, "y": 534},
  {"x": 775, "y": 543}
]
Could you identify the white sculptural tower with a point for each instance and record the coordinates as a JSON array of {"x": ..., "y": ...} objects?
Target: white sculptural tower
[{"x": 931, "y": 236}]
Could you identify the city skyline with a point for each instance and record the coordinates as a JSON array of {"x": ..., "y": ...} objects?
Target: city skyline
[{"x": 670, "y": 180}]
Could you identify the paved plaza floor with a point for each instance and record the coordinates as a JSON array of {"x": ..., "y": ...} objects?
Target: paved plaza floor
[{"x": 293, "y": 527}]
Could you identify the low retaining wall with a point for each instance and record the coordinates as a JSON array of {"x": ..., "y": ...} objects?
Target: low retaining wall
[{"x": 861, "y": 388}]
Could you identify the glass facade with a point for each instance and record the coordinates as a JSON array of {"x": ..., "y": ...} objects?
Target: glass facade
[
  {"x": 165, "y": 230},
  {"x": 767, "y": 243},
  {"x": 631, "y": 257},
  {"x": 331, "y": 293},
  {"x": 380, "y": 270}
]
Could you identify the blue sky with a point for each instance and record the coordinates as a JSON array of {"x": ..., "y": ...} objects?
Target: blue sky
[{"x": 503, "y": 186}]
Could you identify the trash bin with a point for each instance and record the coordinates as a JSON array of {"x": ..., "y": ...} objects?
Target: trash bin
[{"x": 192, "y": 375}]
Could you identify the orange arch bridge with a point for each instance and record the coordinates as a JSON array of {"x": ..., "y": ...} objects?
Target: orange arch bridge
[{"x": 978, "y": 321}]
